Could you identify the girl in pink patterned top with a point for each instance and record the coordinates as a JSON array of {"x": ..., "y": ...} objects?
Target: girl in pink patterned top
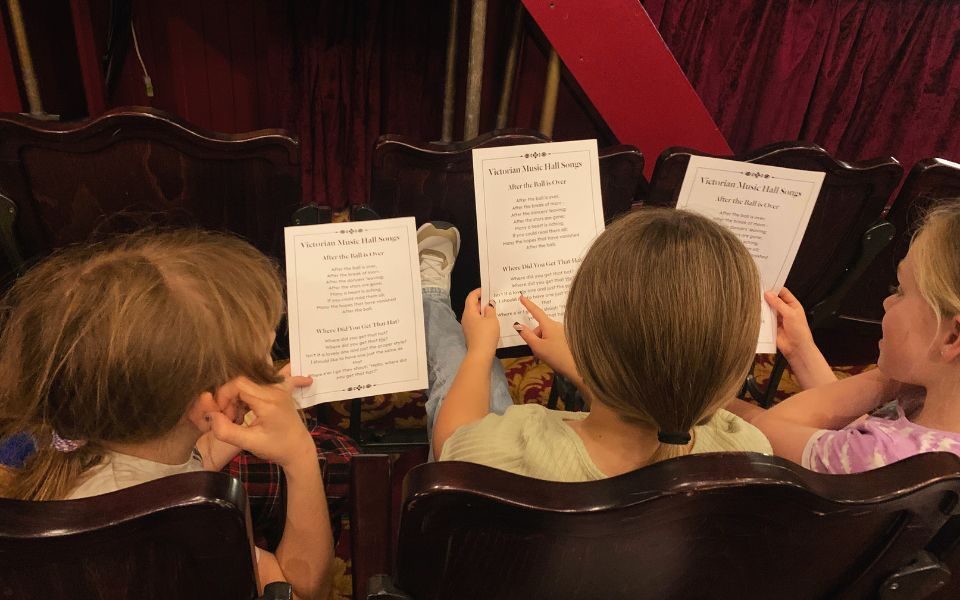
[{"x": 913, "y": 397}]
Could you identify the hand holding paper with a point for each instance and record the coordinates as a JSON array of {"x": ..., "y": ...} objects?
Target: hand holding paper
[
  {"x": 767, "y": 208},
  {"x": 538, "y": 210},
  {"x": 481, "y": 328},
  {"x": 355, "y": 309}
]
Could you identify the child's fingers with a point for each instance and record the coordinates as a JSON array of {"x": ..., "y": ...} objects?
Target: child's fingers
[
  {"x": 291, "y": 383},
  {"x": 776, "y": 303},
  {"x": 527, "y": 335},
  {"x": 226, "y": 430},
  {"x": 788, "y": 297},
  {"x": 300, "y": 381},
  {"x": 533, "y": 309},
  {"x": 227, "y": 392},
  {"x": 525, "y": 329},
  {"x": 261, "y": 399},
  {"x": 472, "y": 304}
]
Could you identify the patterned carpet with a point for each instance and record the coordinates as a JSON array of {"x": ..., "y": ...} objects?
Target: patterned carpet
[{"x": 529, "y": 381}]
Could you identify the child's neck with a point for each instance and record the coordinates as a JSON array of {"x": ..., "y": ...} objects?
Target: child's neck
[
  {"x": 941, "y": 405},
  {"x": 174, "y": 448},
  {"x": 615, "y": 446}
]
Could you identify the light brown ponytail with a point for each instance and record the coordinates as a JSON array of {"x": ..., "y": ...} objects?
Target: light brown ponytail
[{"x": 662, "y": 319}]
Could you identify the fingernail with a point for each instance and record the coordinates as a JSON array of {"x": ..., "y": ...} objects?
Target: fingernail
[
  {"x": 518, "y": 326},
  {"x": 492, "y": 303}
]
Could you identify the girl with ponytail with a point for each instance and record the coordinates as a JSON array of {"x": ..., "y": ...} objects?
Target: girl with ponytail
[{"x": 660, "y": 329}]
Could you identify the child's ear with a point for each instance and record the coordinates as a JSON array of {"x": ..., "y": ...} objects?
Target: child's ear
[
  {"x": 950, "y": 349},
  {"x": 199, "y": 408}
]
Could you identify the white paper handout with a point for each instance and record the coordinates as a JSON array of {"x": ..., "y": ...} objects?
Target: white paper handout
[
  {"x": 766, "y": 207},
  {"x": 355, "y": 309},
  {"x": 538, "y": 210}
]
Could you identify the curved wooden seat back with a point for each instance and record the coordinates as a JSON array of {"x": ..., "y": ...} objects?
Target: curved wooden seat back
[
  {"x": 185, "y": 536},
  {"x": 852, "y": 198},
  {"x": 435, "y": 182},
  {"x": 69, "y": 179},
  {"x": 703, "y": 526},
  {"x": 929, "y": 181}
]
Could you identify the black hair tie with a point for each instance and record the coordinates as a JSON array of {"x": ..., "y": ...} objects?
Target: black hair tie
[{"x": 680, "y": 438}]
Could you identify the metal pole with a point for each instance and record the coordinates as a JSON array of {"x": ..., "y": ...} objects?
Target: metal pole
[
  {"x": 450, "y": 81},
  {"x": 26, "y": 61},
  {"x": 478, "y": 26},
  {"x": 549, "y": 112},
  {"x": 509, "y": 71}
]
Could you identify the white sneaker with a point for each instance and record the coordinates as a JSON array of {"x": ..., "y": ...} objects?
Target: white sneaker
[{"x": 438, "y": 243}]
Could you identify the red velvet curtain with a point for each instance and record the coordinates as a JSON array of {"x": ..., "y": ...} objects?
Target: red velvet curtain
[
  {"x": 863, "y": 79},
  {"x": 361, "y": 69},
  {"x": 336, "y": 74}
]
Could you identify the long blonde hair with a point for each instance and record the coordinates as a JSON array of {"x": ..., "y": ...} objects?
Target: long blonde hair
[
  {"x": 112, "y": 342},
  {"x": 936, "y": 251},
  {"x": 662, "y": 319}
]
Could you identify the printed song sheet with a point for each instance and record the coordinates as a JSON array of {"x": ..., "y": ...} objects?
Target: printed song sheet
[
  {"x": 766, "y": 207},
  {"x": 355, "y": 309},
  {"x": 538, "y": 211}
]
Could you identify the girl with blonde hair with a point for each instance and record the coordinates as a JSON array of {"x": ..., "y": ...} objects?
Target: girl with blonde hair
[
  {"x": 662, "y": 321},
  {"x": 135, "y": 359},
  {"x": 914, "y": 393}
]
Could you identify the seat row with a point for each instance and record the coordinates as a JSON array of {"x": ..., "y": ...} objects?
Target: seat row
[
  {"x": 721, "y": 526},
  {"x": 113, "y": 169}
]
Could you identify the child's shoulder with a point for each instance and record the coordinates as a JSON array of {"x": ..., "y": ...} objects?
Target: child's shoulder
[
  {"x": 520, "y": 420},
  {"x": 873, "y": 442},
  {"x": 726, "y": 432},
  {"x": 528, "y": 439},
  {"x": 117, "y": 471}
]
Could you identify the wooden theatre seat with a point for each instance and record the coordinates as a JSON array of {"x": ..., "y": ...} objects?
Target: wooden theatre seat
[
  {"x": 929, "y": 181},
  {"x": 704, "y": 526},
  {"x": 185, "y": 536},
  {"x": 62, "y": 181},
  {"x": 844, "y": 234},
  {"x": 432, "y": 182}
]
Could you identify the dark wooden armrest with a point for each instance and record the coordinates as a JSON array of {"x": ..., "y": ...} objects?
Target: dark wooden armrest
[
  {"x": 925, "y": 575},
  {"x": 371, "y": 535}
]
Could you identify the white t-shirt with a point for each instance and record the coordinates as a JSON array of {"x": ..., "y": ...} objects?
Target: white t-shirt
[{"x": 118, "y": 471}]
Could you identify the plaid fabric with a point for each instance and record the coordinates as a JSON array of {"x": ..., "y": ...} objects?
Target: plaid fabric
[{"x": 262, "y": 481}]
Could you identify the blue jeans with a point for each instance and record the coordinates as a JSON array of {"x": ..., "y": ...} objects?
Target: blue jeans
[{"x": 446, "y": 348}]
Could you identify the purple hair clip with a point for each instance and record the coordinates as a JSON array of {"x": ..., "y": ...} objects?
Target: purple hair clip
[{"x": 64, "y": 445}]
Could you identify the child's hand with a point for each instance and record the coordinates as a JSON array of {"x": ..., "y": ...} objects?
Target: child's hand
[
  {"x": 481, "y": 328},
  {"x": 277, "y": 434},
  {"x": 292, "y": 382},
  {"x": 548, "y": 341},
  {"x": 793, "y": 332},
  {"x": 216, "y": 453}
]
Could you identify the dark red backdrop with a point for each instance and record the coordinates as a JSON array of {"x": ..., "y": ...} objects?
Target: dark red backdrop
[{"x": 861, "y": 78}]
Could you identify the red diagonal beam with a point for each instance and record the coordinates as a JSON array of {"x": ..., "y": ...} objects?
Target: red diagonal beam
[{"x": 616, "y": 54}]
